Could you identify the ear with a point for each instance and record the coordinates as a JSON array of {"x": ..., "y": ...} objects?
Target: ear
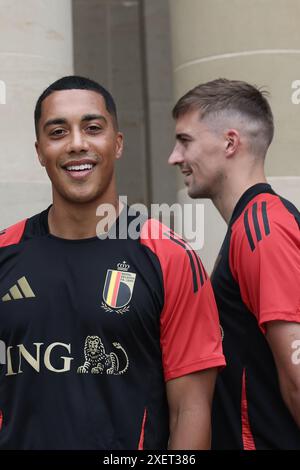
[
  {"x": 119, "y": 145},
  {"x": 40, "y": 157},
  {"x": 232, "y": 142}
]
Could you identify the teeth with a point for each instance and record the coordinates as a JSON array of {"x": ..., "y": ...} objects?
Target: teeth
[{"x": 86, "y": 166}]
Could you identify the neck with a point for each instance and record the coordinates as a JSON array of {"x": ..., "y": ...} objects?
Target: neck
[
  {"x": 236, "y": 183},
  {"x": 76, "y": 221}
]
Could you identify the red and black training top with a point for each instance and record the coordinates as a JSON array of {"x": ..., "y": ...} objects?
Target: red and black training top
[
  {"x": 90, "y": 331},
  {"x": 256, "y": 280}
]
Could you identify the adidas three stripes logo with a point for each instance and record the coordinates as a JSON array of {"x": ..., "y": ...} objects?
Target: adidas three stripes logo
[
  {"x": 20, "y": 290},
  {"x": 261, "y": 227}
]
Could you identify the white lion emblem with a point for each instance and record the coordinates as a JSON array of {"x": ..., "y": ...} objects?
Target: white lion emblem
[{"x": 98, "y": 361}]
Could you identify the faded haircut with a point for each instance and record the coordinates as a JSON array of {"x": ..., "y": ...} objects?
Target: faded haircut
[{"x": 232, "y": 102}]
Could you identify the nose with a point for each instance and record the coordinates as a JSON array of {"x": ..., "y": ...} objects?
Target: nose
[
  {"x": 78, "y": 142},
  {"x": 176, "y": 157}
]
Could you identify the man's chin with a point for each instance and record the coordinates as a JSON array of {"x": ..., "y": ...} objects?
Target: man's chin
[
  {"x": 81, "y": 198},
  {"x": 196, "y": 193},
  {"x": 192, "y": 192}
]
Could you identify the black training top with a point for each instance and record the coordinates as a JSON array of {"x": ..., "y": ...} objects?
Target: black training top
[
  {"x": 91, "y": 329},
  {"x": 256, "y": 280}
]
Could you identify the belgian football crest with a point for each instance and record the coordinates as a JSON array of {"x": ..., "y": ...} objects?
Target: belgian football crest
[{"x": 118, "y": 289}]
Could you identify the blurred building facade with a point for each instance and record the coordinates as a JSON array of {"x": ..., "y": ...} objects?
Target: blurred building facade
[{"x": 147, "y": 53}]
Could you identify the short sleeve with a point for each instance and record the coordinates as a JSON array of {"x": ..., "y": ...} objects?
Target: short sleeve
[
  {"x": 265, "y": 261},
  {"x": 189, "y": 323}
]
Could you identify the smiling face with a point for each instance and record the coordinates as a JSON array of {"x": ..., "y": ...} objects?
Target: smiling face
[
  {"x": 78, "y": 145},
  {"x": 199, "y": 152}
]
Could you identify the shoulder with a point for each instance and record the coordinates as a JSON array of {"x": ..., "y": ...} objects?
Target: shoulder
[
  {"x": 13, "y": 234},
  {"x": 162, "y": 240},
  {"x": 174, "y": 253},
  {"x": 265, "y": 219}
]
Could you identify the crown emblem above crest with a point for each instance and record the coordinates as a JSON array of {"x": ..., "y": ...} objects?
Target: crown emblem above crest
[{"x": 123, "y": 266}]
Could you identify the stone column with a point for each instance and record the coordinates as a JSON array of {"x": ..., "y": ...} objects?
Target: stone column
[
  {"x": 35, "y": 49},
  {"x": 255, "y": 41}
]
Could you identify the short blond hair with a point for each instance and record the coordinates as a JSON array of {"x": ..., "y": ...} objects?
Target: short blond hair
[{"x": 223, "y": 96}]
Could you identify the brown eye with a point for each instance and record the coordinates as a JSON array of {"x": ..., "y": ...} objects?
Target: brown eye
[
  {"x": 93, "y": 128},
  {"x": 57, "y": 133}
]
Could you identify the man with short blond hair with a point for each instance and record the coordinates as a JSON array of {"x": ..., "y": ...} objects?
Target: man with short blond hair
[{"x": 223, "y": 131}]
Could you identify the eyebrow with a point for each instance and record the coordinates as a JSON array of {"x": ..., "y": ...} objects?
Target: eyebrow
[
  {"x": 182, "y": 135},
  {"x": 92, "y": 117},
  {"x": 55, "y": 121},
  {"x": 85, "y": 118}
]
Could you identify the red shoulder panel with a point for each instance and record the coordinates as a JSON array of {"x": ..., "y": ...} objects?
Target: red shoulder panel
[
  {"x": 189, "y": 325},
  {"x": 265, "y": 259},
  {"x": 13, "y": 234}
]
